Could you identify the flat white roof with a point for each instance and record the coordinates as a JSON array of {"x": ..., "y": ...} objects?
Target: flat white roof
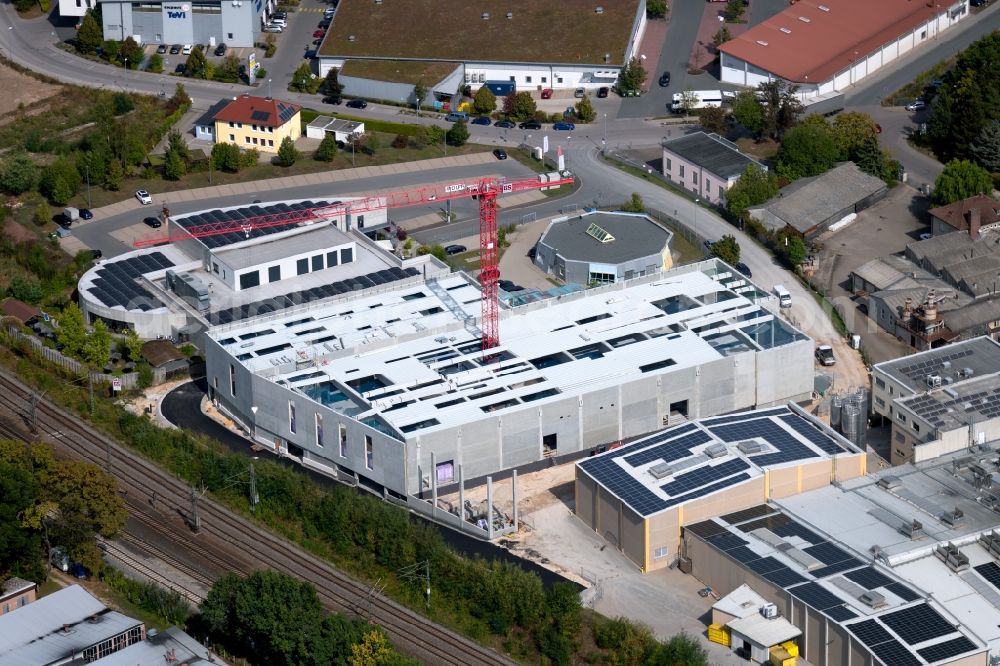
[
  {"x": 765, "y": 631},
  {"x": 412, "y": 356}
]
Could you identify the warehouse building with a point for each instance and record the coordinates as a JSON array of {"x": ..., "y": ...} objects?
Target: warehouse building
[
  {"x": 940, "y": 401},
  {"x": 825, "y": 46},
  {"x": 639, "y": 497},
  {"x": 391, "y": 389},
  {"x": 290, "y": 253},
  {"x": 235, "y": 23},
  {"x": 586, "y": 47},
  {"x": 602, "y": 248},
  {"x": 705, "y": 164}
]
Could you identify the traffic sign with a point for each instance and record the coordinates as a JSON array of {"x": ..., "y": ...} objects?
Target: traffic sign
[{"x": 116, "y": 384}]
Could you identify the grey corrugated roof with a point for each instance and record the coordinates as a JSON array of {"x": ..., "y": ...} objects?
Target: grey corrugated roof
[
  {"x": 893, "y": 272},
  {"x": 974, "y": 314},
  {"x": 711, "y": 152},
  {"x": 635, "y": 236},
  {"x": 983, "y": 357},
  {"x": 808, "y": 202},
  {"x": 151, "y": 651}
]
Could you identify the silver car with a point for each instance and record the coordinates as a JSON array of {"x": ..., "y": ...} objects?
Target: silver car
[{"x": 59, "y": 559}]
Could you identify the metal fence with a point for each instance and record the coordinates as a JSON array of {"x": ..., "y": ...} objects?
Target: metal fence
[{"x": 129, "y": 380}]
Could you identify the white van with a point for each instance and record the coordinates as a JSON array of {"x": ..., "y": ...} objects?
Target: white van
[{"x": 784, "y": 298}]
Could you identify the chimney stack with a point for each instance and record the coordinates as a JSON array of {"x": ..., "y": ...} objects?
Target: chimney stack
[{"x": 974, "y": 223}]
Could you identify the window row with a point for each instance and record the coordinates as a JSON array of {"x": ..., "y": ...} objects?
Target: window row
[
  {"x": 316, "y": 262},
  {"x": 341, "y": 436},
  {"x": 253, "y": 141}
]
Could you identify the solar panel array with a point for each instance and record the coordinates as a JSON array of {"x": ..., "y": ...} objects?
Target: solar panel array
[
  {"x": 314, "y": 294},
  {"x": 946, "y": 649},
  {"x": 825, "y": 443},
  {"x": 789, "y": 448},
  {"x": 986, "y": 403},
  {"x": 916, "y": 624},
  {"x": 260, "y": 115},
  {"x": 114, "y": 282},
  {"x": 237, "y": 215},
  {"x": 671, "y": 450},
  {"x": 285, "y": 112},
  {"x": 991, "y": 572},
  {"x": 917, "y": 371}
]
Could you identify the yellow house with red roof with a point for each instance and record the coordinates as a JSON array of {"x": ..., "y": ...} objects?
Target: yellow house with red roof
[{"x": 258, "y": 122}]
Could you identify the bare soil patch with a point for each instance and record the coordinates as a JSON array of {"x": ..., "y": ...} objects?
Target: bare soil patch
[{"x": 28, "y": 91}]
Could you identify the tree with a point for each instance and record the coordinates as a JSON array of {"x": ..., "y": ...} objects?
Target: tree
[
  {"x": 132, "y": 345},
  {"x": 519, "y": 106},
  {"x": 436, "y": 251},
  {"x": 585, "y": 110},
  {"x": 986, "y": 148},
  {"x": 230, "y": 68},
  {"x": 734, "y": 10},
  {"x": 97, "y": 347},
  {"x": 631, "y": 77},
  {"x": 196, "y": 64},
  {"x": 780, "y": 106},
  {"x": 43, "y": 214},
  {"x": 721, "y": 36},
  {"x": 177, "y": 144},
  {"x": 18, "y": 173},
  {"x": 634, "y": 204},
  {"x": 754, "y": 186},
  {"x": 19, "y": 546},
  {"x": 303, "y": 79},
  {"x": 689, "y": 100},
  {"x": 563, "y": 604},
  {"x": 90, "y": 35},
  {"x": 287, "y": 152},
  {"x": 728, "y": 249},
  {"x": 26, "y": 289},
  {"x": 793, "y": 249},
  {"x": 485, "y": 102},
  {"x": 851, "y": 131},
  {"x": 419, "y": 93},
  {"x": 173, "y": 166},
  {"x": 372, "y": 144},
  {"x": 130, "y": 53},
  {"x": 749, "y": 112},
  {"x": 327, "y": 149},
  {"x": 155, "y": 64},
  {"x": 113, "y": 181},
  {"x": 713, "y": 120},
  {"x": 180, "y": 96},
  {"x": 805, "y": 151},
  {"x": 60, "y": 180},
  {"x": 331, "y": 85},
  {"x": 681, "y": 650},
  {"x": 226, "y": 157},
  {"x": 656, "y": 9},
  {"x": 458, "y": 134},
  {"x": 959, "y": 180}
]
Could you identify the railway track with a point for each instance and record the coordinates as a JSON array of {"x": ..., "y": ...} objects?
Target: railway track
[{"x": 242, "y": 545}]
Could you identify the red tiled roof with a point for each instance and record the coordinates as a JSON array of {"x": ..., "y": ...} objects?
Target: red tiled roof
[
  {"x": 812, "y": 40},
  {"x": 957, "y": 214},
  {"x": 251, "y": 110},
  {"x": 19, "y": 310}
]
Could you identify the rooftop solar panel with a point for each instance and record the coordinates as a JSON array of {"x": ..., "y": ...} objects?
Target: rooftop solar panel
[
  {"x": 917, "y": 624},
  {"x": 816, "y": 596},
  {"x": 868, "y": 578},
  {"x": 746, "y": 514},
  {"x": 892, "y": 653},
  {"x": 703, "y": 475},
  {"x": 870, "y": 632},
  {"x": 827, "y": 553},
  {"x": 726, "y": 540},
  {"x": 840, "y": 613},
  {"x": 836, "y": 567},
  {"x": 706, "y": 529},
  {"x": 902, "y": 591},
  {"x": 946, "y": 649},
  {"x": 784, "y": 577}
]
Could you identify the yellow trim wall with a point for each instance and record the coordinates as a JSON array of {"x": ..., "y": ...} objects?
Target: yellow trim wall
[{"x": 244, "y": 135}]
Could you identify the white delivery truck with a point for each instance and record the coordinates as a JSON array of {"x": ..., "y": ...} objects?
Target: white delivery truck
[
  {"x": 703, "y": 99},
  {"x": 784, "y": 298}
]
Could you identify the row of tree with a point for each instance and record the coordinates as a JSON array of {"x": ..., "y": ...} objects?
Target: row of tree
[{"x": 815, "y": 146}]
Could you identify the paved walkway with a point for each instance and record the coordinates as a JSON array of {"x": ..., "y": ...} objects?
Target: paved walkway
[
  {"x": 703, "y": 51},
  {"x": 649, "y": 49}
]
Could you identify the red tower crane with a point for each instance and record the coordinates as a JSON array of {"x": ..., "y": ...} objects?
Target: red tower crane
[{"x": 486, "y": 190}]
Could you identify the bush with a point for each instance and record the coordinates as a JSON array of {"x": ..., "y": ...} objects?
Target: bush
[
  {"x": 42, "y": 215},
  {"x": 155, "y": 64},
  {"x": 401, "y": 141},
  {"x": 327, "y": 149},
  {"x": 150, "y": 597},
  {"x": 287, "y": 153}
]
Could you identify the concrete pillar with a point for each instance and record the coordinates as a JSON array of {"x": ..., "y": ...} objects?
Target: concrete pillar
[
  {"x": 513, "y": 495},
  {"x": 489, "y": 507},
  {"x": 434, "y": 486},
  {"x": 461, "y": 500}
]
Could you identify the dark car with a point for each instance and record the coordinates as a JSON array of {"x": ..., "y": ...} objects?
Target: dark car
[
  {"x": 181, "y": 68},
  {"x": 357, "y": 104},
  {"x": 506, "y": 124},
  {"x": 162, "y": 48},
  {"x": 455, "y": 249},
  {"x": 153, "y": 222},
  {"x": 96, "y": 254},
  {"x": 330, "y": 99},
  {"x": 175, "y": 49},
  {"x": 86, "y": 214},
  {"x": 324, "y": 24},
  {"x": 530, "y": 125},
  {"x": 310, "y": 54},
  {"x": 481, "y": 120},
  {"x": 564, "y": 126},
  {"x": 603, "y": 92},
  {"x": 221, "y": 49},
  {"x": 665, "y": 79},
  {"x": 532, "y": 253},
  {"x": 744, "y": 269},
  {"x": 500, "y": 154}
]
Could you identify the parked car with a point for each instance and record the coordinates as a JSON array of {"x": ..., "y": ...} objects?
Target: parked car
[
  {"x": 744, "y": 269},
  {"x": 824, "y": 354},
  {"x": 665, "y": 79},
  {"x": 455, "y": 249},
  {"x": 331, "y": 99},
  {"x": 926, "y": 236},
  {"x": 709, "y": 244},
  {"x": 500, "y": 154},
  {"x": 86, "y": 214},
  {"x": 319, "y": 34},
  {"x": 161, "y": 49},
  {"x": 455, "y": 116},
  {"x": 153, "y": 222},
  {"x": 547, "y": 93},
  {"x": 187, "y": 49},
  {"x": 143, "y": 197},
  {"x": 329, "y": 11},
  {"x": 603, "y": 92},
  {"x": 175, "y": 49},
  {"x": 59, "y": 559},
  {"x": 279, "y": 21},
  {"x": 530, "y": 125},
  {"x": 181, "y": 68},
  {"x": 324, "y": 24},
  {"x": 564, "y": 126},
  {"x": 310, "y": 54},
  {"x": 505, "y": 124},
  {"x": 270, "y": 27},
  {"x": 917, "y": 104},
  {"x": 96, "y": 254},
  {"x": 221, "y": 49},
  {"x": 579, "y": 93},
  {"x": 482, "y": 120},
  {"x": 357, "y": 104}
]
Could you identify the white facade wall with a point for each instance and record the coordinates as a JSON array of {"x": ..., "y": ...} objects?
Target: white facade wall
[
  {"x": 288, "y": 265},
  {"x": 159, "y": 323},
  {"x": 536, "y": 77},
  {"x": 742, "y": 73},
  {"x": 75, "y": 7}
]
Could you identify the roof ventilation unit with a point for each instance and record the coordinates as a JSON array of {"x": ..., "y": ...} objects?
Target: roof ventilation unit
[
  {"x": 933, "y": 381},
  {"x": 661, "y": 471},
  {"x": 750, "y": 447},
  {"x": 770, "y": 611},
  {"x": 889, "y": 482},
  {"x": 785, "y": 30},
  {"x": 510, "y": 15},
  {"x": 873, "y": 599},
  {"x": 805, "y": 19},
  {"x": 351, "y": 38},
  {"x": 991, "y": 543},
  {"x": 824, "y": 8},
  {"x": 953, "y": 557},
  {"x": 486, "y": 16},
  {"x": 955, "y": 518},
  {"x": 966, "y": 372},
  {"x": 762, "y": 42},
  {"x": 716, "y": 451},
  {"x": 599, "y": 10},
  {"x": 913, "y": 529}
]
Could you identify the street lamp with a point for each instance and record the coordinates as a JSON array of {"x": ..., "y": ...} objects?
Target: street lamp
[
  {"x": 604, "y": 139},
  {"x": 253, "y": 430}
]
